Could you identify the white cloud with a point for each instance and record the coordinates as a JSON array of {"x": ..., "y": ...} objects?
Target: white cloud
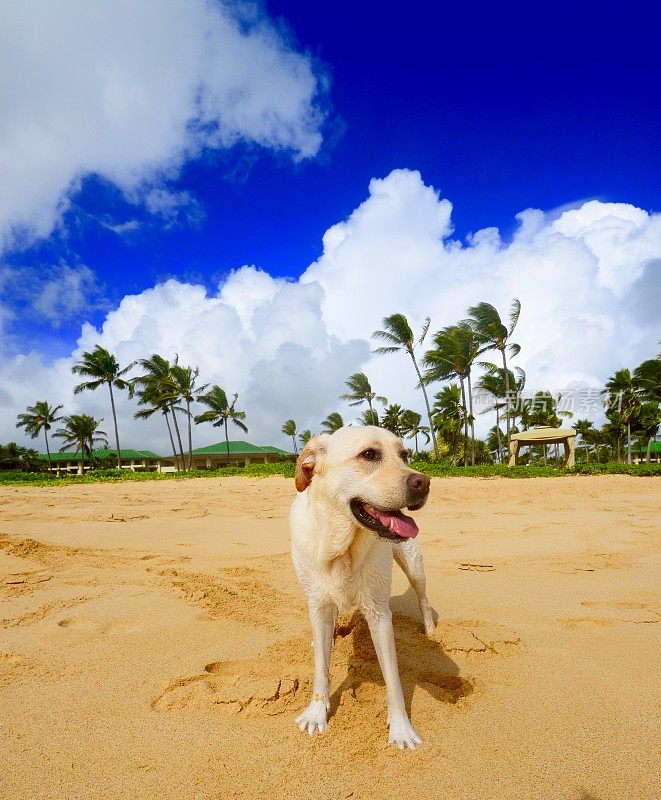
[
  {"x": 66, "y": 295},
  {"x": 173, "y": 207},
  {"x": 287, "y": 346},
  {"x": 129, "y": 90},
  {"x": 54, "y": 293}
]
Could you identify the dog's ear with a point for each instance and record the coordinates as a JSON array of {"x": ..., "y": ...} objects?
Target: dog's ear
[{"x": 308, "y": 460}]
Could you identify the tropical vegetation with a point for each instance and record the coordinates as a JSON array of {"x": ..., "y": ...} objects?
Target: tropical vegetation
[
  {"x": 101, "y": 367},
  {"x": 456, "y": 386}
]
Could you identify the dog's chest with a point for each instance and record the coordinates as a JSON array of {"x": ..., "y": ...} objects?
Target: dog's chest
[{"x": 353, "y": 580}]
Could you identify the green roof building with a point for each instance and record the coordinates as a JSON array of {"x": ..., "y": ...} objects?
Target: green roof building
[
  {"x": 216, "y": 455},
  {"x": 74, "y": 462},
  {"x": 210, "y": 457}
]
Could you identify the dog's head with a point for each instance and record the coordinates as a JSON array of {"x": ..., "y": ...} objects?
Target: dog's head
[{"x": 364, "y": 472}]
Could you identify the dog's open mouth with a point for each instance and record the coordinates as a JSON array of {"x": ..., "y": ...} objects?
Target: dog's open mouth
[{"x": 387, "y": 523}]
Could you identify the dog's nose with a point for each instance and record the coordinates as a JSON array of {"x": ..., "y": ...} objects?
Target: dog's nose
[{"x": 418, "y": 482}]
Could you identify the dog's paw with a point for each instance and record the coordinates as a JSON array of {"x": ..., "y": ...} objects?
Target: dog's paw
[
  {"x": 402, "y": 733},
  {"x": 314, "y": 718}
]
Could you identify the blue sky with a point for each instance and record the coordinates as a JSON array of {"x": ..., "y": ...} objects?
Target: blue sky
[{"x": 500, "y": 108}]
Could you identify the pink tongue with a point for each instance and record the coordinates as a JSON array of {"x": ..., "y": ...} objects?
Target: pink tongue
[{"x": 398, "y": 523}]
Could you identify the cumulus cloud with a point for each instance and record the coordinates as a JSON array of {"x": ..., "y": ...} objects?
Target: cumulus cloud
[
  {"x": 582, "y": 275},
  {"x": 129, "y": 90}
]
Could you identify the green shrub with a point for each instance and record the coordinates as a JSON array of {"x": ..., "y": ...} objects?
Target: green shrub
[{"x": 286, "y": 470}]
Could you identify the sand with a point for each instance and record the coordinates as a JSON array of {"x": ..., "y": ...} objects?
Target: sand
[{"x": 154, "y": 644}]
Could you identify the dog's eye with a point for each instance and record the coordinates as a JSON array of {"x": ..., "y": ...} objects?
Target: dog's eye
[
  {"x": 370, "y": 454},
  {"x": 404, "y": 456}
]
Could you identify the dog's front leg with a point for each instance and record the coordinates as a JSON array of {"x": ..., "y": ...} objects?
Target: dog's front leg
[
  {"x": 314, "y": 718},
  {"x": 401, "y": 732}
]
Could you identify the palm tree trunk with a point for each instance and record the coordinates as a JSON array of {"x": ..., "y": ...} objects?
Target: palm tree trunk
[
  {"x": 628, "y": 442},
  {"x": 424, "y": 394},
  {"x": 416, "y": 442},
  {"x": 507, "y": 397},
  {"x": 174, "y": 449},
  {"x": 190, "y": 436},
  {"x": 293, "y": 441},
  {"x": 50, "y": 466},
  {"x": 649, "y": 448},
  {"x": 463, "y": 403},
  {"x": 470, "y": 405},
  {"x": 500, "y": 446},
  {"x": 114, "y": 419},
  {"x": 176, "y": 429},
  {"x": 227, "y": 441}
]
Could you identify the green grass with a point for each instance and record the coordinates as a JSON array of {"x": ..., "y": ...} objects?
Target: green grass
[
  {"x": 286, "y": 469},
  {"x": 536, "y": 471}
]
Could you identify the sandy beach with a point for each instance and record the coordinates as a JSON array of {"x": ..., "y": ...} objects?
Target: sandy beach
[{"x": 155, "y": 644}]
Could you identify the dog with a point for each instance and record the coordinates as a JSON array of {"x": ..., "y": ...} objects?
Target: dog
[{"x": 346, "y": 526}]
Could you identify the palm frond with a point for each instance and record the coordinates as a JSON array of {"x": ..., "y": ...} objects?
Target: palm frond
[
  {"x": 81, "y": 387},
  {"x": 515, "y": 310},
  {"x": 425, "y": 328}
]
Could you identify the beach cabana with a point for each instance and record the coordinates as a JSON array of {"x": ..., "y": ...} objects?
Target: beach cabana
[{"x": 542, "y": 436}]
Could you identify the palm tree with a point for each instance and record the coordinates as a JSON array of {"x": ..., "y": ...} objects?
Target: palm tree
[
  {"x": 399, "y": 336},
  {"x": 649, "y": 420},
  {"x": 497, "y": 384},
  {"x": 332, "y": 423},
  {"x": 647, "y": 379},
  {"x": 392, "y": 419},
  {"x": 184, "y": 379},
  {"x": 39, "y": 417},
  {"x": 370, "y": 416},
  {"x": 83, "y": 431},
  {"x": 492, "y": 334},
  {"x": 152, "y": 397},
  {"x": 494, "y": 442},
  {"x": 289, "y": 429},
  {"x": 448, "y": 415},
  {"x": 221, "y": 412},
  {"x": 102, "y": 367},
  {"x": 621, "y": 389},
  {"x": 411, "y": 427},
  {"x": 162, "y": 387},
  {"x": 305, "y": 437},
  {"x": 12, "y": 456},
  {"x": 361, "y": 391},
  {"x": 584, "y": 428},
  {"x": 455, "y": 349}
]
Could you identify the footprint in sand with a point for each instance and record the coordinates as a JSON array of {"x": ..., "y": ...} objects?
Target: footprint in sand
[
  {"x": 607, "y": 614},
  {"x": 236, "y": 593},
  {"x": 475, "y": 567},
  {"x": 279, "y": 679},
  {"x": 21, "y": 581}
]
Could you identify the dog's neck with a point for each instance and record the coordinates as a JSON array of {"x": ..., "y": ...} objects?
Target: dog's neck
[{"x": 343, "y": 543}]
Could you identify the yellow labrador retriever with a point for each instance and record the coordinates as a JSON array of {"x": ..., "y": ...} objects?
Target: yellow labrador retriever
[{"x": 346, "y": 526}]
